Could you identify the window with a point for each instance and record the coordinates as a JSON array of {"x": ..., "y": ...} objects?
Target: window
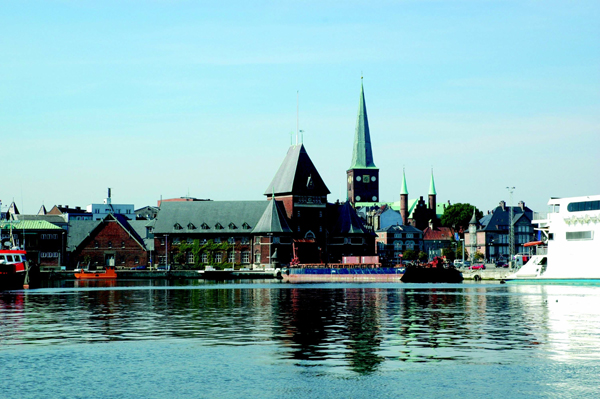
[
  {"x": 189, "y": 241},
  {"x": 276, "y": 240},
  {"x": 122, "y": 244},
  {"x": 398, "y": 245},
  {"x": 579, "y": 235},
  {"x": 409, "y": 235},
  {"x": 231, "y": 240},
  {"x": 204, "y": 257},
  {"x": 96, "y": 245},
  {"x": 110, "y": 244},
  {"x": 190, "y": 257},
  {"x": 246, "y": 226},
  {"x": 177, "y": 226},
  {"x": 583, "y": 206},
  {"x": 231, "y": 257},
  {"x": 219, "y": 257},
  {"x": 217, "y": 240},
  {"x": 162, "y": 260},
  {"x": 191, "y": 226},
  {"x": 257, "y": 257},
  {"x": 410, "y": 244},
  {"x": 309, "y": 235},
  {"x": 232, "y": 226},
  {"x": 245, "y": 240},
  {"x": 246, "y": 257},
  {"x": 176, "y": 240},
  {"x": 320, "y": 214},
  {"x": 136, "y": 260},
  {"x": 219, "y": 226},
  {"x": 397, "y": 235},
  {"x": 298, "y": 214},
  {"x": 380, "y": 246},
  {"x": 205, "y": 226}
]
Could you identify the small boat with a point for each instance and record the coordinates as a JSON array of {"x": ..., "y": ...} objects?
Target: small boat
[
  {"x": 108, "y": 273},
  {"x": 13, "y": 269},
  {"x": 433, "y": 272}
]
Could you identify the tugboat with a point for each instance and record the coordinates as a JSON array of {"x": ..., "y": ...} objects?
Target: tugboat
[
  {"x": 14, "y": 269},
  {"x": 109, "y": 273},
  {"x": 432, "y": 272}
]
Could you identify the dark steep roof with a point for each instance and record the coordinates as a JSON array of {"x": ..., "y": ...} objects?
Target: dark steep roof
[
  {"x": 272, "y": 220},
  {"x": 298, "y": 175},
  {"x": 79, "y": 230},
  {"x": 348, "y": 221},
  {"x": 216, "y": 216},
  {"x": 500, "y": 217}
]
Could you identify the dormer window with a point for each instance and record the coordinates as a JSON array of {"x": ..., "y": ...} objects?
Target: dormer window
[
  {"x": 219, "y": 226},
  {"x": 246, "y": 226},
  {"x": 191, "y": 226},
  {"x": 177, "y": 226},
  {"x": 232, "y": 226},
  {"x": 205, "y": 226}
]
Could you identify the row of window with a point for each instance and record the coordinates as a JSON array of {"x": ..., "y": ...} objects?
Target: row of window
[
  {"x": 218, "y": 257},
  {"x": 406, "y": 235},
  {"x": 49, "y": 254},
  {"x": 49, "y": 236},
  {"x": 580, "y": 235},
  {"x": 583, "y": 206},
  {"x": 108, "y": 244},
  {"x": 205, "y": 226}
]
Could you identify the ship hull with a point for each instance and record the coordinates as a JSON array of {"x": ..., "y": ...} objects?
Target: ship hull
[{"x": 330, "y": 275}]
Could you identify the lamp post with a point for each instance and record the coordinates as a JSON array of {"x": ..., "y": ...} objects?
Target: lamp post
[{"x": 463, "y": 251}]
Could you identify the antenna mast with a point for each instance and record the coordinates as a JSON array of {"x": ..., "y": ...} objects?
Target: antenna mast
[{"x": 297, "y": 114}]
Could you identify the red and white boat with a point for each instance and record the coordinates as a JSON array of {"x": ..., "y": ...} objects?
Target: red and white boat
[{"x": 13, "y": 269}]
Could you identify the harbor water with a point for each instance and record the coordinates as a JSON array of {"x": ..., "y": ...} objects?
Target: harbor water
[{"x": 267, "y": 339}]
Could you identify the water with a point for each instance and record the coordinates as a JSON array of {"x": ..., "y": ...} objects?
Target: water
[{"x": 195, "y": 339}]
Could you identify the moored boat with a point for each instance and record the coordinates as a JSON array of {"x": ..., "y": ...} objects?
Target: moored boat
[
  {"x": 341, "y": 272},
  {"x": 13, "y": 269},
  {"x": 108, "y": 273},
  {"x": 433, "y": 272},
  {"x": 568, "y": 249}
]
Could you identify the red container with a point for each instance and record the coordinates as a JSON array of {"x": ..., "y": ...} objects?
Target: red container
[
  {"x": 351, "y": 259},
  {"x": 369, "y": 259}
]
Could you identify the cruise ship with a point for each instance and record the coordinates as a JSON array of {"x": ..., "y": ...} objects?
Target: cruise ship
[{"x": 570, "y": 243}]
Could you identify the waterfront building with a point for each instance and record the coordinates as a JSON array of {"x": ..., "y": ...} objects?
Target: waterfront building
[
  {"x": 146, "y": 212},
  {"x": 111, "y": 241},
  {"x": 436, "y": 239},
  {"x": 43, "y": 241},
  {"x": 394, "y": 240},
  {"x": 492, "y": 232}
]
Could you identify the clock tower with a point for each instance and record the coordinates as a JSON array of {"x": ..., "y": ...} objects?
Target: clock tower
[{"x": 363, "y": 175}]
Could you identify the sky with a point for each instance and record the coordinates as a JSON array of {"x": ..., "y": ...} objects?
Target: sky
[{"x": 173, "y": 98}]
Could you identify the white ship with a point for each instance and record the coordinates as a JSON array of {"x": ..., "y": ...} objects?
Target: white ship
[{"x": 570, "y": 242}]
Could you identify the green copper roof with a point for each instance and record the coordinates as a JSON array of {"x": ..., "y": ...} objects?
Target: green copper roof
[
  {"x": 362, "y": 156},
  {"x": 432, "y": 186},
  {"x": 28, "y": 225},
  {"x": 404, "y": 189}
]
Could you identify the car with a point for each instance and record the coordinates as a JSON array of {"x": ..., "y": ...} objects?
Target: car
[
  {"x": 477, "y": 267},
  {"x": 141, "y": 267},
  {"x": 163, "y": 267}
]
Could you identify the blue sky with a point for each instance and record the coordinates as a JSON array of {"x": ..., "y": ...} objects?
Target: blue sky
[{"x": 164, "y": 98}]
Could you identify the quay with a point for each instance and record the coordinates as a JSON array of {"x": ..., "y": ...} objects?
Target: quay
[
  {"x": 172, "y": 274},
  {"x": 489, "y": 273}
]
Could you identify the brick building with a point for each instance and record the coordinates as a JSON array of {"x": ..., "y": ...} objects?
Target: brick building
[{"x": 111, "y": 241}]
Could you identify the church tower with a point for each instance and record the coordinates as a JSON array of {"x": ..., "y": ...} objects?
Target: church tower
[
  {"x": 432, "y": 195},
  {"x": 363, "y": 175},
  {"x": 404, "y": 200}
]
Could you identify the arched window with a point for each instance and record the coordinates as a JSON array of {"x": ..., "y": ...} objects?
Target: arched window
[
  {"x": 309, "y": 234},
  {"x": 398, "y": 245},
  {"x": 410, "y": 245}
]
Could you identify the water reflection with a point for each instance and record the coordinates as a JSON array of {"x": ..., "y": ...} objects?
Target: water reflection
[{"x": 361, "y": 328}]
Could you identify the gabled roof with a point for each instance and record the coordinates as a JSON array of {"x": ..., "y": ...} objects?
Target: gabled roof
[
  {"x": 437, "y": 233},
  {"x": 272, "y": 220},
  {"x": 500, "y": 217},
  {"x": 79, "y": 230},
  {"x": 205, "y": 215},
  {"x": 348, "y": 221},
  {"x": 297, "y": 175},
  {"x": 362, "y": 155},
  {"x": 12, "y": 209},
  {"x": 400, "y": 229},
  {"x": 42, "y": 210},
  {"x": 54, "y": 219}
]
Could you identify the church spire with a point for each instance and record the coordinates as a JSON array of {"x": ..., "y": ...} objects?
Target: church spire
[
  {"x": 404, "y": 189},
  {"x": 362, "y": 156},
  {"x": 432, "y": 185}
]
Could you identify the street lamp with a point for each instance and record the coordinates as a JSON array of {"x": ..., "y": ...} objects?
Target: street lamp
[{"x": 511, "y": 234}]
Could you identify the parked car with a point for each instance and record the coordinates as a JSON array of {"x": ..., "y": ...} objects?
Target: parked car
[
  {"x": 141, "y": 267},
  {"x": 162, "y": 267},
  {"x": 477, "y": 267}
]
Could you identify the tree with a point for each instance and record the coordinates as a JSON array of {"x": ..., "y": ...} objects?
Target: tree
[
  {"x": 458, "y": 215},
  {"x": 409, "y": 254},
  {"x": 423, "y": 256},
  {"x": 449, "y": 254},
  {"x": 478, "y": 256}
]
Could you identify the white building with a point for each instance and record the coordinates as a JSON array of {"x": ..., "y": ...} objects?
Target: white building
[{"x": 99, "y": 211}]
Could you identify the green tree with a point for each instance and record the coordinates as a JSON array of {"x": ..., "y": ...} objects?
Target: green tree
[
  {"x": 409, "y": 254},
  {"x": 478, "y": 256},
  {"x": 449, "y": 254},
  {"x": 458, "y": 215},
  {"x": 423, "y": 256}
]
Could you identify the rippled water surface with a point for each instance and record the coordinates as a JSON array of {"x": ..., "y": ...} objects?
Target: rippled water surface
[{"x": 162, "y": 339}]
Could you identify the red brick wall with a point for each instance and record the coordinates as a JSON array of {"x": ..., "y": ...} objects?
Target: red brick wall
[{"x": 124, "y": 248}]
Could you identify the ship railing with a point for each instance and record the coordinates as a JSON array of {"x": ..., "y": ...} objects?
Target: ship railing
[{"x": 539, "y": 216}]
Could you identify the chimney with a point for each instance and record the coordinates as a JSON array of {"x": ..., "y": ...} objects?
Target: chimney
[
  {"x": 522, "y": 205},
  {"x": 503, "y": 205}
]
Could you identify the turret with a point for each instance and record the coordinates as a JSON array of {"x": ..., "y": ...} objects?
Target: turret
[
  {"x": 404, "y": 200},
  {"x": 432, "y": 194}
]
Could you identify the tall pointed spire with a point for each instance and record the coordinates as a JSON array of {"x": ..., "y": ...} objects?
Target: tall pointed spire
[
  {"x": 404, "y": 189},
  {"x": 432, "y": 185},
  {"x": 362, "y": 156}
]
